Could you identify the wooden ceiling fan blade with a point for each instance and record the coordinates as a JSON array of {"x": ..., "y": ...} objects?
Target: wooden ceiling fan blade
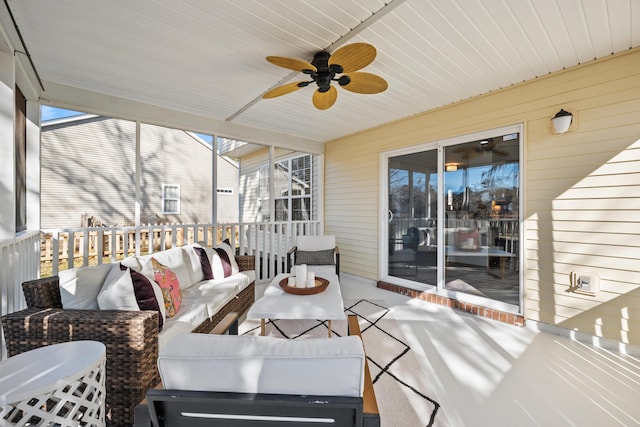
[
  {"x": 283, "y": 90},
  {"x": 290, "y": 63},
  {"x": 324, "y": 100},
  {"x": 366, "y": 83},
  {"x": 353, "y": 57}
]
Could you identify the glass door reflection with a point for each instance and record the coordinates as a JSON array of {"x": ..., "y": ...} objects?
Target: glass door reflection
[
  {"x": 413, "y": 211},
  {"x": 482, "y": 218}
]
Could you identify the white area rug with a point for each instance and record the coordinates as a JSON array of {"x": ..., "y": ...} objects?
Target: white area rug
[{"x": 403, "y": 395}]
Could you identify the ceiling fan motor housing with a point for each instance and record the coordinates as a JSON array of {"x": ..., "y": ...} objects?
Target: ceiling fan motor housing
[{"x": 324, "y": 73}]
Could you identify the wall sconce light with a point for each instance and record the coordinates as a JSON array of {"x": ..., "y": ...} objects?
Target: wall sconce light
[
  {"x": 451, "y": 167},
  {"x": 562, "y": 121}
]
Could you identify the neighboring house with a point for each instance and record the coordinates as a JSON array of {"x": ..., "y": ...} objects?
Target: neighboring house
[
  {"x": 295, "y": 186},
  {"x": 88, "y": 175}
]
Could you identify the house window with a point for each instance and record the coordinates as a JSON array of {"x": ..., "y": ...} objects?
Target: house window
[
  {"x": 292, "y": 185},
  {"x": 170, "y": 198}
]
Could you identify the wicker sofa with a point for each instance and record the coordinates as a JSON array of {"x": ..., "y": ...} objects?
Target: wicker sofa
[{"x": 131, "y": 337}]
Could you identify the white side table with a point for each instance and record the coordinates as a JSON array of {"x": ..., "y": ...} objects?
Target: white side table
[{"x": 61, "y": 384}]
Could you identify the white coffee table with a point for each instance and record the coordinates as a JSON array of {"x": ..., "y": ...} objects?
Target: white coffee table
[{"x": 278, "y": 304}]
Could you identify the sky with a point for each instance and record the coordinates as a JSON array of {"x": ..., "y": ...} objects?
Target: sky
[{"x": 51, "y": 113}]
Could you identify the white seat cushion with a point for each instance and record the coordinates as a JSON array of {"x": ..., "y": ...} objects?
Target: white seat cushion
[
  {"x": 249, "y": 364},
  {"x": 171, "y": 329},
  {"x": 213, "y": 295}
]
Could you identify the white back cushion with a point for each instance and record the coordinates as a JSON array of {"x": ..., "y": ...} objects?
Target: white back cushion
[
  {"x": 248, "y": 364},
  {"x": 79, "y": 287},
  {"x": 316, "y": 243}
]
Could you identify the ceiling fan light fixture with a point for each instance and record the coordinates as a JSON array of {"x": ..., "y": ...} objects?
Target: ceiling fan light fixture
[{"x": 344, "y": 80}]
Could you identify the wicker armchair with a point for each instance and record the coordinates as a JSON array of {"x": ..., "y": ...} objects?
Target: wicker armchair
[{"x": 131, "y": 337}]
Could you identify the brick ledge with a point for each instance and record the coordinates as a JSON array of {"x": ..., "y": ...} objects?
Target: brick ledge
[{"x": 489, "y": 313}]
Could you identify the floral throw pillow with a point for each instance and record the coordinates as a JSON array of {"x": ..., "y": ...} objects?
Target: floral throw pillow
[{"x": 170, "y": 286}]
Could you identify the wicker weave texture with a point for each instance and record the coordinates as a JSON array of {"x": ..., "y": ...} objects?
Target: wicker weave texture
[
  {"x": 75, "y": 402},
  {"x": 131, "y": 337}
]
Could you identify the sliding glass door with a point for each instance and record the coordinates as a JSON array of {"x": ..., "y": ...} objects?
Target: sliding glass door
[
  {"x": 413, "y": 213},
  {"x": 453, "y": 217}
]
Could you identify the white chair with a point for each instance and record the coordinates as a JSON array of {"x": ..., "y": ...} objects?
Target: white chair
[{"x": 320, "y": 253}]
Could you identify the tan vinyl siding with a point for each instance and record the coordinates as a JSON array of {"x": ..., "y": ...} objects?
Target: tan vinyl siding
[
  {"x": 581, "y": 190},
  {"x": 85, "y": 170}
]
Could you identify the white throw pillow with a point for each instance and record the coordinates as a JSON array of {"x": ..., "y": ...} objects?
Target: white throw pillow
[
  {"x": 231, "y": 253},
  {"x": 79, "y": 287},
  {"x": 220, "y": 268},
  {"x": 194, "y": 265},
  {"x": 117, "y": 292},
  {"x": 132, "y": 262}
]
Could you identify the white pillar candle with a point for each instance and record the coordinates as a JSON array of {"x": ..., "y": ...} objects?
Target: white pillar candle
[
  {"x": 301, "y": 275},
  {"x": 311, "y": 279},
  {"x": 292, "y": 281}
]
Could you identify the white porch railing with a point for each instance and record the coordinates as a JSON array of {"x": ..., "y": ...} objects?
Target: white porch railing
[
  {"x": 269, "y": 242},
  {"x": 45, "y": 253},
  {"x": 19, "y": 262}
]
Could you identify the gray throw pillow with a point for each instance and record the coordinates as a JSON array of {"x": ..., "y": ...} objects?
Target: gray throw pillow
[{"x": 315, "y": 257}]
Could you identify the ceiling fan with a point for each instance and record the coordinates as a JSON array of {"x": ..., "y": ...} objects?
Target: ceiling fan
[
  {"x": 469, "y": 151},
  {"x": 324, "y": 68}
]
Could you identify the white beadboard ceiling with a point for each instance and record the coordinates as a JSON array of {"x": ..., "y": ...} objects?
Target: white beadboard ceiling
[{"x": 207, "y": 58}]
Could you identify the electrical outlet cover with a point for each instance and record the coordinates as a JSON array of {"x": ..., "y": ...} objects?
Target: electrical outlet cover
[{"x": 586, "y": 283}]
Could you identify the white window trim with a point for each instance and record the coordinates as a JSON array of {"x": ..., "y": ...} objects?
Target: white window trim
[
  {"x": 164, "y": 211},
  {"x": 290, "y": 197}
]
